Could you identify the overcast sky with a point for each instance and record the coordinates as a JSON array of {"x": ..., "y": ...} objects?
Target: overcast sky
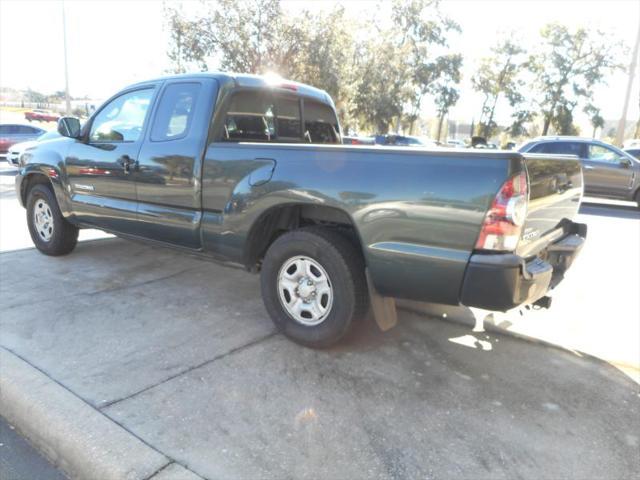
[{"x": 116, "y": 42}]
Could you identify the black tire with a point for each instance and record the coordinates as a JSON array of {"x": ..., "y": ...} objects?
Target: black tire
[
  {"x": 64, "y": 235},
  {"x": 343, "y": 264}
]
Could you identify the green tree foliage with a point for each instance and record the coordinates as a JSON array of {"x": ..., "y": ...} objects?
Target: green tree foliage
[
  {"x": 445, "y": 98},
  {"x": 567, "y": 67},
  {"x": 379, "y": 74},
  {"x": 372, "y": 79},
  {"x": 35, "y": 97},
  {"x": 500, "y": 75},
  {"x": 322, "y": 51},
  {"x": 420, "y": 33},
  {"x": 597, "y": 121},
  {"x": 382, "y": 89}
]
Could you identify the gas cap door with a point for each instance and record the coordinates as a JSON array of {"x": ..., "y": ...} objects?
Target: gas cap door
[{"x": 263, "y": 173}]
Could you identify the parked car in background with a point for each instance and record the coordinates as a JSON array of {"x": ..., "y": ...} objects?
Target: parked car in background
[
  {"x": 40, "y": 115},
  {"x": 634, "y": 151},
  {"x": 16, "y": 150},
  {"x": 608, "y": 171},
  {"x": 253, "y": 173},
  {"x": 405, "y": 141},
  {"x": 452, "y": 142},
  {"x": 358, "y": 141},
  {"x": 11, "y": 133}
]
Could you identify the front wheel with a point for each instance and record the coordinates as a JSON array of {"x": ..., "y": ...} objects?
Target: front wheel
[
  {"x": 50, "y": 232},
  {"x": 313, "y": 285}
]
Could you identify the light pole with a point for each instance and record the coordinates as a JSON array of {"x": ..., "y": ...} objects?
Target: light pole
[
  {"x": 632, "y": 70},
  {"x": 66, "y": 68}
]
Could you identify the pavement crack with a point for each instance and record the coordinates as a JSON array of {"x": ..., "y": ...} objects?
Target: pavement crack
[
  {"x": 106, "y": 290},
  {"x": 164, "y": 467},
  {"x": 192, "y": 368}
]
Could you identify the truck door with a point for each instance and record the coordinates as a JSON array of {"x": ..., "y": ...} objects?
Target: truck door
[
  {"x": 100, "y": 166},
  {"x": 170, "y": 162}
]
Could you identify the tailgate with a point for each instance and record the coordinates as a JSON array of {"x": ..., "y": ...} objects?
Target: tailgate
[{"x": 555, "y": 192}]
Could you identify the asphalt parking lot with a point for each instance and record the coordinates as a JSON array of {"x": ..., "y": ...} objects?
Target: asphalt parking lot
[{"x": 177, "y": 356}]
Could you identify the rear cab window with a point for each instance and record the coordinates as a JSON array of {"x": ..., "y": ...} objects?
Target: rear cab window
[
  {"x": 320, "y": 123},
  {"x": 263, "y": 116}
]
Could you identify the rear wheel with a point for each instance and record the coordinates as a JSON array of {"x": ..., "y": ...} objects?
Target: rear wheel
[
  {"x": 50, "y": 232},
  {"x": 313, "y": 285}
]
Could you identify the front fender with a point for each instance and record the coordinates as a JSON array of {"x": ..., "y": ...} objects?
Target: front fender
[{"x": 46, "y": 161}]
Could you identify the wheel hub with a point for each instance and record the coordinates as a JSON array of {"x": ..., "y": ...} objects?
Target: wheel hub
[
  {"x": 43, "y": 220},
  {"x": 305, "y": 290}
]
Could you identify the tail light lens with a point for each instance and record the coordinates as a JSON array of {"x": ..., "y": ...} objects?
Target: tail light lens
[{"x": 503, "y": 222}]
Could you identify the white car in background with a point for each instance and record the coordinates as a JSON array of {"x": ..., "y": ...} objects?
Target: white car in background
[
  {"x": 16, "y": 150},
  {"x": 452, "y": 142}
]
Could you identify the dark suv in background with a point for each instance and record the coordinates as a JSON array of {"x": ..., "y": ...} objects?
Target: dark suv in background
[{"x": 608, "y": 171}]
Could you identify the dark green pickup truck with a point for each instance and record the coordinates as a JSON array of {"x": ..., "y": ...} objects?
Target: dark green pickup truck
[{"x": 251, "y": 171}]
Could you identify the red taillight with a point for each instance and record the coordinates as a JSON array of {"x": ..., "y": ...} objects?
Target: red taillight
[
  {"x": 503, "y": 222},
  {"x": 289, "y": 86}
]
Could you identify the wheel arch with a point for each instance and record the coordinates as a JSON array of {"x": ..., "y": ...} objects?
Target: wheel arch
[
  {"x": 283, "y": 218},
  {"x": 45, "y": 175}
]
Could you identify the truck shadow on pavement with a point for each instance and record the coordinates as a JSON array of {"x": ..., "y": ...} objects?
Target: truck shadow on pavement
[{"x": 181, "y": 353}]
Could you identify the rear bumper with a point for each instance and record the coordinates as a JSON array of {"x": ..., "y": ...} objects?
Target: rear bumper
[{"x": 504, "y": 281}]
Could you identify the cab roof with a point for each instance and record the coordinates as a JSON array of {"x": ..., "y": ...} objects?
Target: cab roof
[{"x": 252, "y": 81}]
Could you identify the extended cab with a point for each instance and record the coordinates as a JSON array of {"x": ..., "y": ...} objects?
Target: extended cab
[{"x": 251, "y": 171}]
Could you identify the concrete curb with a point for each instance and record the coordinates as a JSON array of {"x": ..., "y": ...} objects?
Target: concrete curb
[{"x": 76, "y": 437}]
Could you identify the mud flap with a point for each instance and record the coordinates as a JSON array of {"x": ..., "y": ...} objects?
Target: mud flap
[{"x": 383, "y": 308}]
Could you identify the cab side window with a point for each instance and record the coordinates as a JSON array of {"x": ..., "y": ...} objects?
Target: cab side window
[
  {"x": 122, "y": 119},
  {"x": 559, "y": 148},
  {"x": 600, "y": 153},
  {"x": 27, "y": 130},
  {"x": 8, "y": 129},
  {"x": 175, "y": 111}
]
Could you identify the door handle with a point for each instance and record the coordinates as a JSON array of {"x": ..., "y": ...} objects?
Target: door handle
[
  {"x": 127, "y": 162},
  {"x": 588, "y": 167}
]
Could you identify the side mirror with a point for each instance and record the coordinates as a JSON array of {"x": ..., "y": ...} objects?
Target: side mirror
[
  {"x": 625, "y": 162},
  {"x": 69, "y": 127}
]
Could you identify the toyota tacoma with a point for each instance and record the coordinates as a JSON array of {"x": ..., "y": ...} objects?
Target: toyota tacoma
[{"x": 251, "y": 171}]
